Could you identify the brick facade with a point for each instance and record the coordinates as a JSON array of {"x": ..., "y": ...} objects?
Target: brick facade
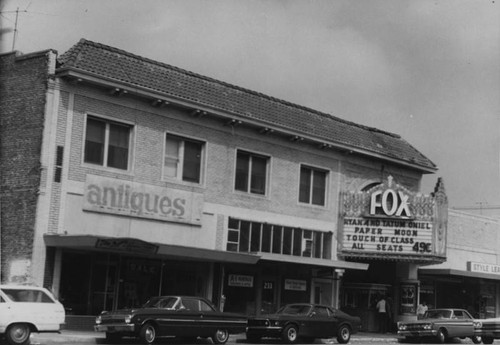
[{"x": 23, "y": 87}]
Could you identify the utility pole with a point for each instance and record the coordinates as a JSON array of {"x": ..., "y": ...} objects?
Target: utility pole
[{"x": 15, "y": 30}]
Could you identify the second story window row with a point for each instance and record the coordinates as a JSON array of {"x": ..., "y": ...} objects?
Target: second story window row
[{"x": 108, "y": 144}]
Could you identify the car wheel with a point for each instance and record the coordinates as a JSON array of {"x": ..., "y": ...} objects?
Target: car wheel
[
  {"x": 441, "y": 336},
  {"x": 290, "y": 334},
  {"x": 344, "y": 334},
  {"x": 148, "y": 333},
  {"x": 487, "y": 340},
  {"x": 18, "y": 334},
  {"x": 476, "y": 339},
  {"x": 220, "y": 336}
]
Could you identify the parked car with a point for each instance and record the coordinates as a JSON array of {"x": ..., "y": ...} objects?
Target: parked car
[
  {"x": 488, "y": 329},
  {"x": 180, "y": 316},
  {"x": 306, "y": 321},
  {"x": 26, "y": 309},
  {"x": 441, "y": 324}
]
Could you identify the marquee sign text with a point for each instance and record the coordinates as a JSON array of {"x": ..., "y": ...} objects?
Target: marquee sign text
[{"x": 387, "y": 236}]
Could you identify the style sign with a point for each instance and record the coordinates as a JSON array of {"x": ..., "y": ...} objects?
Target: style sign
[{"x": 113, "y": 196}]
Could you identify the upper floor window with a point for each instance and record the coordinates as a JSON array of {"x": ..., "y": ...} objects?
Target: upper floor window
[
  {"x": 107, "y": 143},
  {"x": 312, "y": 188},
  {"x": 253, "y": 237},
  {"x": 251, "y": 172},
  {"x": 183, "y": 159}
]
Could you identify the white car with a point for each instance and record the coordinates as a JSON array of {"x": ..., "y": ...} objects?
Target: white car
[{"x": 26, "y": 309}]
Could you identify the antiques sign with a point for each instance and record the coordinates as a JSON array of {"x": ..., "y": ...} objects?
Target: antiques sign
[
  {"x": 389, "y": 221},
  {"x": 108, "y": 195}
]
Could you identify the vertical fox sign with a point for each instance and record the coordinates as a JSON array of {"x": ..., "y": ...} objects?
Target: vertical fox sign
[{"x": 389, "y": 221}]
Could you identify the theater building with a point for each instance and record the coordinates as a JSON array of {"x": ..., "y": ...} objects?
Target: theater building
[{"x": 145, "y": 179}]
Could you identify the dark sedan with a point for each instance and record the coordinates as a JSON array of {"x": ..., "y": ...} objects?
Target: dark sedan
[
  {"x": 180, "y": 316},
  {"x": 306, "y": 321}
]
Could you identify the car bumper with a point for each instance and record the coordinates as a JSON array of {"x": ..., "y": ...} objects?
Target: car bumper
[
  {"x": 265, "y": 331},
  {"x": 115, "y": 328},
  {"x": 418, "y": 334}
]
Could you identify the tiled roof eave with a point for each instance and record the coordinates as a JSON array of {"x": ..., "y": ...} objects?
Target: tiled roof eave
[{"x": 138, "y": 90}]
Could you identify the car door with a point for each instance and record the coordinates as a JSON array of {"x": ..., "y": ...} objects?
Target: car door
[
  {"x": 189, "y": 318},
  {"x": 320, "y": 323},
  {"x": 461, "y": 324}
]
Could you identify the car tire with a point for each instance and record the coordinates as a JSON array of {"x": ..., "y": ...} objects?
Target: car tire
[
  {"x": 476, "y": 339},
  {"x": 147, "y": 333},
  {"x": 441, "y": 336},
  {"x": 220, "y": 336},
  {"x": 290, "y": 334},
  {"x": 344, "y": 334},
  {"x": 18, "y": 334},
  {"x": 487, "y": 340}
]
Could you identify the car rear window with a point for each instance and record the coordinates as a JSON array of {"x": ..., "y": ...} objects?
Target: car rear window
[{"x": 24, "y": 295}]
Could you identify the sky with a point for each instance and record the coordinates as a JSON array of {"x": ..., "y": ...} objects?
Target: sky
[{"x": 428, "y": 70}]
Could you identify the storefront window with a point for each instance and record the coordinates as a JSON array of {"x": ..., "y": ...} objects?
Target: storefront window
[{"x": 245, "y": 236}]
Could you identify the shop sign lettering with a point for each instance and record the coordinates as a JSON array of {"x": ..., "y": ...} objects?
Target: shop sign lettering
[
  {"x": 295, "y": 285},
  {"x": 107, "y": 195},
  {"x": 480, "y": 267},
  {"x": 387, "y": 236},
  {"x": 240, "y": 280}
]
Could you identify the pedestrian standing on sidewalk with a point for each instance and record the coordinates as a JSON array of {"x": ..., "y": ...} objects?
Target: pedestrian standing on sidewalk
[{"x": 382, "y": 315}]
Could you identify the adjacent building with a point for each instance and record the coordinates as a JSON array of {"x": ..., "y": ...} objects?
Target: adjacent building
[{"x": 124, "y": 177}]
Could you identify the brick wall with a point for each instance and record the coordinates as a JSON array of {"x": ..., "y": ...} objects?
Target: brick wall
[{"x": 23, "y": 85}]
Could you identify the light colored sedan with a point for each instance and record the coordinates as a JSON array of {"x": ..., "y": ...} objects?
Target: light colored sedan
[
  {"x": 26, "y": 309},
  {"x": 441, "y": 324}
]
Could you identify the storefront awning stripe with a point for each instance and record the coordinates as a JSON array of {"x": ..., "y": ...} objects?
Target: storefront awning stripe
[
  {"x": 454, "y": 272},
  {"x": 313, "y": 261}
]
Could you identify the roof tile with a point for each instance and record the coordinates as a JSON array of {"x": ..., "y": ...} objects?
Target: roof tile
[{"x": 112, "y": 63}]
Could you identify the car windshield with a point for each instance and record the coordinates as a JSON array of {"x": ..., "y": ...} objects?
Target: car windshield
[
  {"x": 295, "y": 309},
  {"x": 161, "y": 302},
  {"x": 438, "y": 314},
  {"x": 27, "y": 295}
]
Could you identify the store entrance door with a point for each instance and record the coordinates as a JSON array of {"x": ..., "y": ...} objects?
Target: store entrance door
[
  {"x": 104, "y": 279},
  {"x": 322, "y": 292},
  {"x": 269, "y": 295}
]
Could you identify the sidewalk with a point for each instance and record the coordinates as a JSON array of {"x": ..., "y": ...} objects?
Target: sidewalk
[{"x": 68, "y": 337}]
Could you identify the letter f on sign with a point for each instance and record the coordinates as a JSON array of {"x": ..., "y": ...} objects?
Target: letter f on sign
[{"x": 374, "y": 203}]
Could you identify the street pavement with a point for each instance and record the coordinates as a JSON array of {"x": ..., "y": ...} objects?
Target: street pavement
[{"x": 83, "y": 337}]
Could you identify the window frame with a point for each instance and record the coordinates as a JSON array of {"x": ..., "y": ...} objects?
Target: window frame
[
  {"x": 267, "y": 174},
  {"x": 313, "y": 169},
  {"x": 320, "y": 242},
  {"x": 131, "y": 143},
  {"x": 179, "y": 177}
]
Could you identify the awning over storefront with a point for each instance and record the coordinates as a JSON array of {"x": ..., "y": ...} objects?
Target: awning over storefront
[
  {"x": 313, "y": 261},
  {"x": 134, "y": 246},
  {"x": 446, "y": 272}
]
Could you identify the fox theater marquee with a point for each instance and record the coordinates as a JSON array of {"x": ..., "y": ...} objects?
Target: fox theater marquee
[{"x": 390, "y": 223}]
